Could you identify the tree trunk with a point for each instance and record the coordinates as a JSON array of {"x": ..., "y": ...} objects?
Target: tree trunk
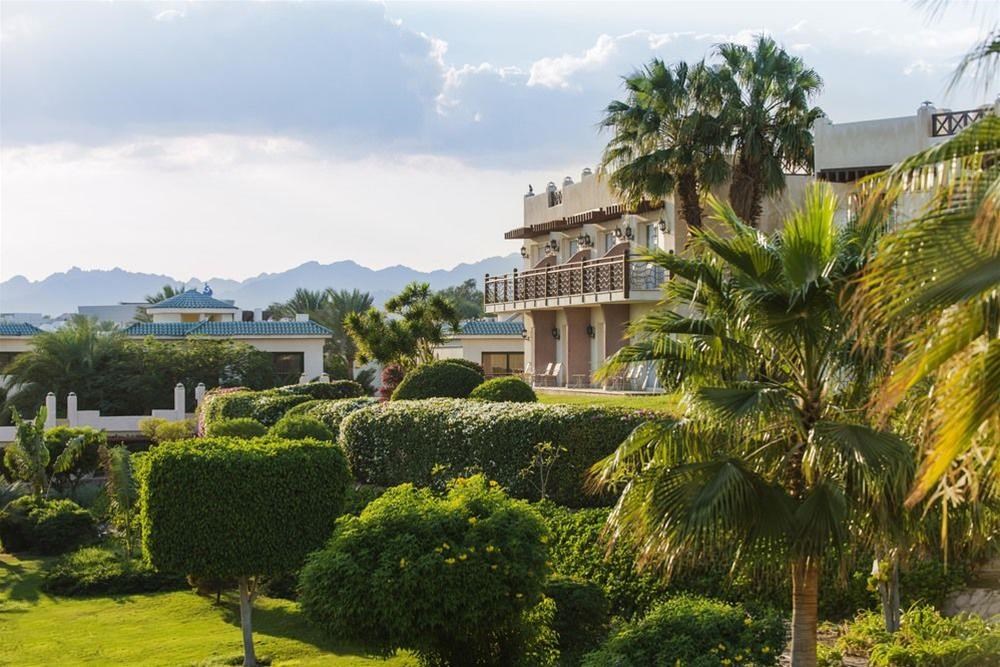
[
  {"x": 888, "y": 591},
  {"x": 246, "y": 625},
  {"x": 805, "y": 610},
  {"x": 745, "y": 192},
  {"x": 687, "y": 192}
]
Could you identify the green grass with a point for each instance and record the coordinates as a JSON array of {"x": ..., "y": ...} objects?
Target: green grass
[
  {"x": 662, "y": 402},
  {"x": 174, "y": 629}
]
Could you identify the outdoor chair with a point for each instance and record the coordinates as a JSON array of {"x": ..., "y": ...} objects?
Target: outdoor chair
[{"x": 540, "y": 377}]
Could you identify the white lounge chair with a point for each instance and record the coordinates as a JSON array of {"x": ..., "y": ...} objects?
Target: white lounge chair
[{"x": 543, "y": 375}]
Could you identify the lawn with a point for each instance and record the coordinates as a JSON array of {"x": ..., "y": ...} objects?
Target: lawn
[
  {"x": 663, "y": 402},
  {"x": 177, "y": 628}
]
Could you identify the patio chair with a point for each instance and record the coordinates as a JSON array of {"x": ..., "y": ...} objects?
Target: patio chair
[
  {"x": 556, "y": 372},
  {"x": 543, "y": 375},
  {"x": 528, "y": 374}
]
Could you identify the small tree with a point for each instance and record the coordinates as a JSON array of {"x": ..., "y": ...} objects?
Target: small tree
[
  {"x": 28, "y": 456},
  {"x": 239, "y": 509},
  {"x": 121, "y": 490}
]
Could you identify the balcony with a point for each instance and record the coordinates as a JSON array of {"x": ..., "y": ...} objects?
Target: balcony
[
  {"x": 606, "y": 280},
  {"x": 952, "y": 122}
]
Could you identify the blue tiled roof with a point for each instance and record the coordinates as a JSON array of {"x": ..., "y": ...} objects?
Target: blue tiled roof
[
  {"x": 193, "y": 300},
  {"x": 18, "y": 329},
  {"x": 490, "y": 328},
  {"x": 226, "y": 329},
  {"x": 162, "y": 329}
]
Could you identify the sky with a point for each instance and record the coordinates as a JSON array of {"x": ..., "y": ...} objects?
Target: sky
[{"x": 231, "y": 139}]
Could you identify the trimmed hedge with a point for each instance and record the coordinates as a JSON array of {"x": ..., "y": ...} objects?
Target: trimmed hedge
[
  {"x": 331, "y": 413},
  {"x": 465, "y": 363},
  {"x": 424, "y": 441},
  {"x": 695, "y": 632},
  {"x": 326, "y": 391},
  {"x": 44, "y": 526},
  {"x": 437, "y": 379},
  {"x": 301, "y": 427},
  {"x": 509, "y": 389},
  {"x": 223, "y": 507},
  {"x": 266, "y": 407},
  {"x": 448, "y": 578},
  {"x": 241, "y": 427}
]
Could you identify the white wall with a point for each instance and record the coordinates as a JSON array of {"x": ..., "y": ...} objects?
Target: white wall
[{"x": 472, "y": 347}]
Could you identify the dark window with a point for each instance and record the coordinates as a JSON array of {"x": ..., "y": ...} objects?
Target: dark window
[
  {"x": 6, "y": 358},
  {"x": 288, "y": 366},
  {"x": 503, "y": 363}
]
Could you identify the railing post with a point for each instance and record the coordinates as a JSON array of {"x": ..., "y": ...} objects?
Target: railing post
[
  {"x": 515, "y": 285},
  {"x": 626, "y": 278},
  {"x": 179, "y": 402},
  {"x": 486, "y": 289},
  {"x": 71, "y": 410},
  {"x": 50, "y": 410}
]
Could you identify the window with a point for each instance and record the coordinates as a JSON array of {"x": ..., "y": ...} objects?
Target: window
[
  {"x": 609, "y": 241},
  {"x": 6, "y": 358},
  {"x": 651, "y": 235},
  {"x": 574, "y": 247},
  {"x": 496, "y": 364},
  {"x": 288, "y": 366}
]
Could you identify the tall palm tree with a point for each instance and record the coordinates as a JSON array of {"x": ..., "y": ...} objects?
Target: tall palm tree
[
  {"x": 304, "y": 300},
  {"x": 933, "y": 289},
  {"x": 770, "y": 458},
  {"x": 340, "y": 304},
  {"x": 665, "y": 140},
  {"x": 166, "y": 292},
  {"x": 766, "y": 97}
]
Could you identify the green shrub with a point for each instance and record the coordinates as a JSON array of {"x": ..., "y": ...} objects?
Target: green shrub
[
  {"x": 299, "y": 427},
  {"x": 160, "y": 430},
  {"x": 695, "y": 632},
  {"x": 465, "y": 363},
  {"x": 327, "y": 391},
  {"x": 448, "y": 578},
  {"x": 55, "y": 441},
  {"x": 412, "y": 441},
  {"x": 44, "y": 526},
  {"x": 925, "y": 639},
  {"x": 241, "y": 427},
  {"x": 437, "y": 379},
  {"x": 224, "y": 507},
  {"x": 331, "y": 413},
  {"x": 511, "y": 389},
  {"x": 267, "y": 406},
  {"x": 581, "y": 618},
  {"x": 104, "y": 571}
]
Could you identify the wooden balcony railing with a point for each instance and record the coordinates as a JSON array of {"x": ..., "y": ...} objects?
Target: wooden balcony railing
[
  {"x": 619, "y": 274},
  {"x": 952, "y": 122}
]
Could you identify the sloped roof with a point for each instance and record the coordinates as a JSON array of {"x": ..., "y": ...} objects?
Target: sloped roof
[
  {"x": 490, "y": 328},
  {"x": 193, "y": 300},
  {"x": 18, "y": 329},
  {"x": 225, "y": 329}
]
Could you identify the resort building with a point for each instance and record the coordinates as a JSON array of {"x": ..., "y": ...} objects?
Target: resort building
[
  {"x": 498, "y": 346},
  {"x": 580, "y": 285}
]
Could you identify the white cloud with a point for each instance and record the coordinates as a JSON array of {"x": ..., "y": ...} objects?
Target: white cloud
[
  {"x": 169, "y": 15},
  {"x": 920, "y": 66},
  {"x": 556, "y": 72}
]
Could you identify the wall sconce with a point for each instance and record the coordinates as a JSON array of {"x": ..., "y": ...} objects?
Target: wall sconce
[
  {"x": 548, "y": 251},
  {"x": 591, "y": 331},
  {"x": 554, "y": 245},
  {"x": 665, "y": 226},
  {"x": 555, "y": 332},
  {"x": 524, "y": 252},
  {"x": 629, "y": 233},
  {"x": 524, "y": 333},
  {"x": 618, "y": 233}
]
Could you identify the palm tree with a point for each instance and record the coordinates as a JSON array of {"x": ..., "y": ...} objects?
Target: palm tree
[
  {"x": 340, "y": 304},
  {"x": 934, "y": 289},
  {"x": 665, "y": 140},
  {"x": 765, "y": 102},
  {"x": 28, "y": 456},
  {"x": 304, "y": 301},
  {"x": 166, "y": 292},
  {"x": 771, "y": 460}
]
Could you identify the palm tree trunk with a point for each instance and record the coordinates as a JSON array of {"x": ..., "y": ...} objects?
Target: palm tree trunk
[
  {"x": 805, "y": 611},
  {"x": 745, "y": 192},
  {"x": 888, "y": 590},
  {"x": 687, "y": 192},
  {"x": 246, "y": 624}
]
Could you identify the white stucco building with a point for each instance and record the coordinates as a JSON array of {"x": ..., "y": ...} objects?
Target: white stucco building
[{"x": 498, "y": 346}]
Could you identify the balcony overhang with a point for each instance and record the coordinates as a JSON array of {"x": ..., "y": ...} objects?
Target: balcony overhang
[
  {"x": 571, "y": 300},
  {"x": 595, "y": 216}
]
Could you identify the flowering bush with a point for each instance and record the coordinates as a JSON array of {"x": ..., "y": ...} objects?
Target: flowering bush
[
  {"x": 448, "y": 578},
  {"x": 421, "y": 441},
  {"x": 695, "y": 632}
]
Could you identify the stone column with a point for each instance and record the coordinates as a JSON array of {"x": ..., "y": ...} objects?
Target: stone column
[
  {"x": 71, "y": 409},
  {"x": 50, "y": 410},
  {"x": 179, "y": 401},
  {"x": 577, "y": 343}
]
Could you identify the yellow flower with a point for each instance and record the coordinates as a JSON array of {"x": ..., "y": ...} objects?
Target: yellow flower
[
  {"x": 402, "y": 562},
  {"x": 473, "y": 519},
  {"x": 738, "y": 658},
  {"x": 493, "y": 567},
  {"x": 519, "y": 596},
  {"x": 449, "y": 561},
  {"x": 446, "y": 546},
  {"x": 747, "y": 622},
  {"x": 463, "y": 556},
  {"x": 490, "y": 548},
  {"x": 722, "y": 647},
  {"x": 766, "y": 649}
]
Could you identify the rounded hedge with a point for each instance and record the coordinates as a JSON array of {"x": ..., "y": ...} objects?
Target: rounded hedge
[
  {"x": 266, "y": 407},
  {"x": 301, "y": 427},
  {"x": 326, "y": 391},
  {"x": 448, "y": 578},
  {"x": 224, "y": 507},
  {"x": 45, "y": 526},
  {"x": 424, "y": 441},
  {"x": 241, "y": 427},
  {"x": 331, "y": 413},
  {"x": 505, "y": 389},
  {"x": 698, "y": 632},
  {"x": 437, "y": 379},
  {"x": 471, "y": 365}
]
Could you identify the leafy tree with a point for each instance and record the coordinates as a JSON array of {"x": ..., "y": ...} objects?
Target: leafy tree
[
  {"x": 28, "y": 456},
  {"x": 414, "y": 321},
  {"x": 666, "y": 139},
  {"x": 771, "y": 459},
  {"x": 341, "y": 304},
  {"x": 466, "y": 298},
  {"x": 765, "y": 95},
  {"x": 947, "y": 326}
]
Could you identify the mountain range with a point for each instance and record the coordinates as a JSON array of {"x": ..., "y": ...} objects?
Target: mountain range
[{"x": 63, "y": 292}]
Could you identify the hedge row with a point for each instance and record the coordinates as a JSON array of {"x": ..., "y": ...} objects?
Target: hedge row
[
  {"x": 222, "y": 507},
  {"x": 270, "y": 405},
  {"x": 331, "y": 413},
  {"x": 428, "y": 441}
]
